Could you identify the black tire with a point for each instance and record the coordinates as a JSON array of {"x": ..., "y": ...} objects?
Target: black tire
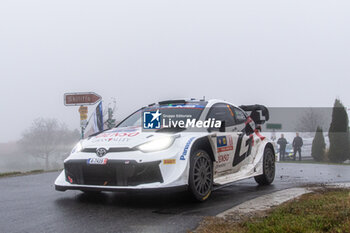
[
  {"x": 269, "y": 168},
  {"x": 201, "y": 175}
]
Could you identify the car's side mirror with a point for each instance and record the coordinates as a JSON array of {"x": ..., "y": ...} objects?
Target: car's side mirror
[{"x": 222, "y": 127}]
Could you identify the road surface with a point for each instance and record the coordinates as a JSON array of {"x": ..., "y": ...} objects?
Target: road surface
[{"x": 31, "y": 204}]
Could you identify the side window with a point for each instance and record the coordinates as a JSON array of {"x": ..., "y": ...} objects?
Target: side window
[
  {"x": 240, "y": 116},
  {"x": 222, "y": 112}
]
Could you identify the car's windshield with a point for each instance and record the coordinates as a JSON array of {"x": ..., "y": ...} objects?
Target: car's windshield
[{"x": 175, "y": 112}]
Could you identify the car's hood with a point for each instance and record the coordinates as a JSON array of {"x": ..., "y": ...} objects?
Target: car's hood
[{"x": 121, "y": 137}]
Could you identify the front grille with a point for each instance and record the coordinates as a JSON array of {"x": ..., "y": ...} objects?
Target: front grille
[
  {"x": 114, "y": 173},
  {"x": 112, "y": 149}
]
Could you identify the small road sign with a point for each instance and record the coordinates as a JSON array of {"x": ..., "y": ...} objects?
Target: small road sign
[
  {"x": 81, "y": 98},
  {"x": 273, "y": 126}
]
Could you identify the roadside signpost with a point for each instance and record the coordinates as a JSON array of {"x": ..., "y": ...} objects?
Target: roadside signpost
[{"x": 81, "y": 99}]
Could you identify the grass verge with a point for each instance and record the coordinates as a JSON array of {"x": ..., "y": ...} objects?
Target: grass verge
[
  {"x": 8, "y": 174},
  {"x": 326, "y": 210}
]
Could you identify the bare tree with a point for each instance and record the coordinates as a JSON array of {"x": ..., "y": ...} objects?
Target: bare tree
[
  {"x": 46, "y": 137},
  {"x": 309, "y": 121}
]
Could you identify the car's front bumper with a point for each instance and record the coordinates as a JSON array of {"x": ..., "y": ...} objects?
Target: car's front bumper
[
  {"x": 66, "y": 187},
  {"x": 119, "y": 175}
]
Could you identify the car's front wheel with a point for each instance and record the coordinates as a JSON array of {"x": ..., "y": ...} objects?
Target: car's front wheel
[
  {"x": 201, "y": 175},
  {"x": 268, "y": 168}
]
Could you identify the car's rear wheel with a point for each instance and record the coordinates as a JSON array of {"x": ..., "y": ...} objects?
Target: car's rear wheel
[
  {"x": 269, "y": 168},
  {"x": 201, "y": 175}
]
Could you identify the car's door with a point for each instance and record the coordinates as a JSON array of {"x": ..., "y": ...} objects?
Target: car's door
[
  {"x": 232, "y": 145},
  {"x": 244, "y": 139}
]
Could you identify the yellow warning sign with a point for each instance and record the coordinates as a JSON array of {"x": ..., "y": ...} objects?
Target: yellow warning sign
[{"x": 83, "y": 110}]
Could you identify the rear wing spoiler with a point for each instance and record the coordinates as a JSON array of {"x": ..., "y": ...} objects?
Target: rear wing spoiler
[{"x": 258, "y": 113}]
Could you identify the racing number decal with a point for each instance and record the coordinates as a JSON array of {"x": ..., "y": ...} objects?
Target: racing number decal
[{"x": 239, "y": 158}]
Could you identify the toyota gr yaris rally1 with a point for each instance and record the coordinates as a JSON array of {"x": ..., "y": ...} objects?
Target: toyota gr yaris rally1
[{"x": 194, "y": 144}]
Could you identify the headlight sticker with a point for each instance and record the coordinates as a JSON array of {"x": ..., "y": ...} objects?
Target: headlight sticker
[
  {"x": 157, "y": 144},
  {"x": 183, "y": 156}
]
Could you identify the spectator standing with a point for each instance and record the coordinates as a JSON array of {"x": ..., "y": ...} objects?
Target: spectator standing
[
  {"x": 282, "y": 142},
  {"x": 297, "y": 144}
]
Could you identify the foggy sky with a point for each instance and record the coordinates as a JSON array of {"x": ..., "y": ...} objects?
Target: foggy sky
[{"x": 277, "y": 53}]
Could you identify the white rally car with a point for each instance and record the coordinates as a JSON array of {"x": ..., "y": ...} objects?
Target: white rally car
[{"x": 194, "y": 144}]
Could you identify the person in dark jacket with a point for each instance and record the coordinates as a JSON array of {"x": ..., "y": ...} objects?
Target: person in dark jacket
[
  {"x": 297, "y": 144},
  {"x": 282, "y": 142}
]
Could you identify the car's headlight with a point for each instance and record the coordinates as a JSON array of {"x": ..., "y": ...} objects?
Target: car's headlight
[
  {"x": 157, "y": 144},
  {"x": 78, "y": 147}
]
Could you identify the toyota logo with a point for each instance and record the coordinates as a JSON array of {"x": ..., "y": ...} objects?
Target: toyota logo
[{"x": 101, "y": 152}]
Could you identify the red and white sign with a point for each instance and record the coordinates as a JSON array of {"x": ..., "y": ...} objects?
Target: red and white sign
[{"x": 81, "y": 98}]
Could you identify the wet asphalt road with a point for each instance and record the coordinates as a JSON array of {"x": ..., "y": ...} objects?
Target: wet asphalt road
[{"x": 30, "y": 203}]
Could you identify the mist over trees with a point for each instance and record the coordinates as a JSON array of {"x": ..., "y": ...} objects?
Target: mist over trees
[
  {"x": 310, "y": 121},
  {"x": 48, "y": 137},
  {"x": 339, "y": 148}
]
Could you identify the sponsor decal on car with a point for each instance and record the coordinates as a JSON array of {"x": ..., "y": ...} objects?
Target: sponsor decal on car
[
  {"x": 117, "y": 139},
  {"x": 183, "y": 156},
  {"x": 169, "y": 161},
  {"x": 117, "y": 134},
  {"x": 224, "y": 143},
  {"x": 223, "y": 158}
]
